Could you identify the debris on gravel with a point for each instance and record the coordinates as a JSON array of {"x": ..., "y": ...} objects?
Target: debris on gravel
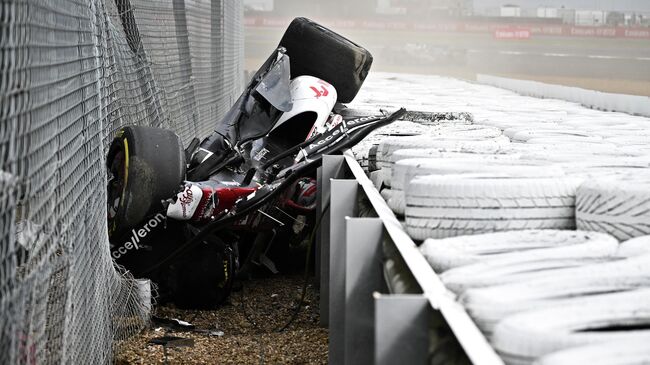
[{"x": 244, "y": 330}]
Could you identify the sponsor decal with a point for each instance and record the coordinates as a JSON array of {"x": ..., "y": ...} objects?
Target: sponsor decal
[
  {"x": 133, "y": 243},
  {"x": 334, "y": 121},
  {"x": 186, "y": 203},
  {"x": 186, "y": 198},
  {"x": 322, "y": 92},
  {"x": 343, "y": 128},
  {"x": 512, "y": 33},
  {"x": 260, "y": 154}
]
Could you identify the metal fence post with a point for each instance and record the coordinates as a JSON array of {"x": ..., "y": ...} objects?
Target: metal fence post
[
  {"x": 343, "y": 203},
  {"x": 319, "y": 240},
  {"x": 363, "y": 276},
  {"x": 401, "y": 329},
  {"x": 333, "y": 168}
]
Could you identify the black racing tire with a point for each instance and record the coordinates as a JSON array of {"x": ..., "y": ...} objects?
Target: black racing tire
[
  {"x": 147, "y": 165},
  {"x": 317, "y": 51}
]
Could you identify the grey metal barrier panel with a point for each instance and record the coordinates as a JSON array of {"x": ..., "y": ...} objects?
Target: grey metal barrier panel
[
  {"x": 342, "y": 205},
  {"x": 333, "y": 167},
  {"x": 401, "y": 329},
  {"x": 348, "y": 340}
]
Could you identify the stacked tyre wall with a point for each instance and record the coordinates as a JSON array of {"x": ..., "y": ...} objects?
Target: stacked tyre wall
[
  {"x": 533, "y": 212},
  {"x": 72, "y": 73}
]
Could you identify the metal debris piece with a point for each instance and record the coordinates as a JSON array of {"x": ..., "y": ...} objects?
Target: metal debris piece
[
  {"x": 211, "y": 333},
  {"x": 172, "y": 341},
  {"x": 172, "y": 324}
]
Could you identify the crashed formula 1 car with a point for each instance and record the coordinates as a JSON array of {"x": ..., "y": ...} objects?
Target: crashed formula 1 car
[{"x": 181, "y": 217}]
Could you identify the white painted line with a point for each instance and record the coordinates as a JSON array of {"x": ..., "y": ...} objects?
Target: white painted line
[
  {"x": 558, "y": 55},
  {"x": 606, "y": 57},
  {"x": 513, "y": 52}
]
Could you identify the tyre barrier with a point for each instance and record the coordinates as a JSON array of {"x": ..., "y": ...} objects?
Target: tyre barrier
[
  {"x": 438, "y": 153},
  {"x": 388, "y": 146},
  {"x": 634, "y": 247},
  {"x": 448, "y": 253},
  {"x": 489, "y": 305},
  {"x": 618, "y": 205},
  {"x": 525, "y": 337},
  {"x": 448, "y": 206},
  {"x": 461, "y": 203},
  {"x": 558, "y": 134},
  {"x": 512, "y": 268},
  {"x": 633, "y": 350},
  {"x": 405, "y": 171}
]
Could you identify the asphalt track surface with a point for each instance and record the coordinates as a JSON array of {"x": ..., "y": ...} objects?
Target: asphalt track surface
[{"x": 615, "y": 65}]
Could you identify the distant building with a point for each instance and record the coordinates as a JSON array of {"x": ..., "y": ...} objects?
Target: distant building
[
  {"x": 590, "y": 17},
  {"x": 547, "y": 13},
  {"x": 258, "y": 5},
  {"x": 568, "y": 16},
  {"x": 425, "y": 7},
  {"x": 510, "y": 11},
  {"x": 387, "y": 7}
]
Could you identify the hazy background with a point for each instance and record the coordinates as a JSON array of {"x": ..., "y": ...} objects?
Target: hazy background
[
  {"x": 595, "y": 44},
  {"x": 621, "y": 5}
]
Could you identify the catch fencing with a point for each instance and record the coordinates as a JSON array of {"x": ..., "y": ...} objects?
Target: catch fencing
[{"x": 71, "y": 73}]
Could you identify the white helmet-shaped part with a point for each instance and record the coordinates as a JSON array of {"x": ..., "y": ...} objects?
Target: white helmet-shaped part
[{"x": 313, "y": 96}]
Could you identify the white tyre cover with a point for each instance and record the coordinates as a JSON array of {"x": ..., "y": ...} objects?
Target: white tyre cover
[
  {"x": 499, "y": 165},
  {"x": 514, "y": 268},
  {"x": 574, "y": 142},
  {"x": 405, "y": 170},
  {"x": 448, "y": 253},
  {"x": 469, "y": 131},
  {"x": 397, "y": 202},
  {"x": 635, "y": 247},
  {"x": 489, "y": 305},
  {"x": 523, "y": 136},
  {"x": 630, "y": 140},
  {"x": 619, "y": 206},
  {"x": 590, "y": 168},
  {"x": 567, "y": 151},
  {"x": 585, "y": 157},
  {"x": 629, "y": 351},
  {"x": 584, "y": 162},
  {"x": 392, "y": 144},
  {"x": 407, "y": 154},
  {"x": 636, "y": 150},
  {"x": 377, "y": 178},
  {"x": 524, "y": 337},
  {"x": 449, "y": 206},
  {"x": 365, "y": 151},
  {"x": 405, "y": 127},
  {"x": 511, "y": 132},
  {"x": 403, "y": 154},
  {"x": 386, "y": 194},
  {"x": 602, "y": 124},
  {"x": 505, "y": 124}
]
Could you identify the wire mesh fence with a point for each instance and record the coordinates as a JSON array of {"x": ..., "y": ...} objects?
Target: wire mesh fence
[{"x": 71, "y": 73}]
